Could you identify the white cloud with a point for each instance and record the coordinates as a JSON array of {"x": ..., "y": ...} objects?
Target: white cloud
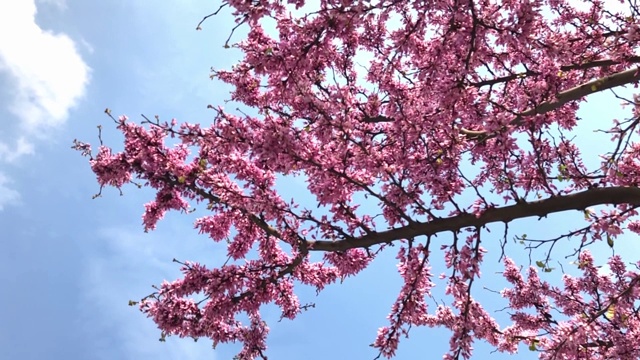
[
  {"x": 45, "y": 77},
  {"x": 7, "y": 195},
  {"x": 49, "y": 75}
]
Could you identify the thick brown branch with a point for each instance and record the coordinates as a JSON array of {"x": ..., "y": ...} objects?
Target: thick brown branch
[
  {"x": 540, "y": 208},
  {"x": 587, "y": 65},
  {"x": 576, "y": 93},
  {"x": 605, "y": 83}
]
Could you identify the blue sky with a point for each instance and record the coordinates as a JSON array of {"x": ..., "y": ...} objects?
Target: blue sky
[{"x": 70, "y": 264}]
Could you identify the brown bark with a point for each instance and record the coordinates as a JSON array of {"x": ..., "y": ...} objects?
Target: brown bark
[
  {"x": 540, "y": 208},
  {"x": 576, "y": 93}
]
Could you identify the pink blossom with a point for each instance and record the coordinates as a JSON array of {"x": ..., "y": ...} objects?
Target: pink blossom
[{"x": 462, "y": 117}]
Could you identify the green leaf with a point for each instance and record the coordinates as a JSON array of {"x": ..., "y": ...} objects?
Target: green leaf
[
  {"x": 540, "y": 264},
  {"x": 611, "y": 311},
  {"x": 609, "y": 241},
  {"x": 562, "y": 168},
  {"x": 132, "y": 303}
]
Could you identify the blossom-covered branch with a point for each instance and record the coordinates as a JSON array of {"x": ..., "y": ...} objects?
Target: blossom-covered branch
[
  {"x": 455, "y": 223},
  {"x": 407, "y": 121}
]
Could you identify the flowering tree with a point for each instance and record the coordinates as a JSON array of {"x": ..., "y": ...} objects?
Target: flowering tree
[{"x": 394, "y": 101}]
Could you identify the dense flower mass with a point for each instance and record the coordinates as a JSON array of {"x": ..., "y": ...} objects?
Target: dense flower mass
[{"x": 447, "y": 116}]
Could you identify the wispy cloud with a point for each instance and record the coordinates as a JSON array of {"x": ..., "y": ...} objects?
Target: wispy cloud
[
  {"x": 12, "y": 153},
  {"x": 61, "y": 4},
  {"x": 8, "y": 196},
  {"x": 122, "y": 270}
]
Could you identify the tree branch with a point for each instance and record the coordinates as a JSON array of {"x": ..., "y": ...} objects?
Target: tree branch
[
  {"x": 604, "y": 83},
  {"x": 540, "y": 208},
  {"x": 598, "y": 85},
  {"x": 587, "y": 65}
]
